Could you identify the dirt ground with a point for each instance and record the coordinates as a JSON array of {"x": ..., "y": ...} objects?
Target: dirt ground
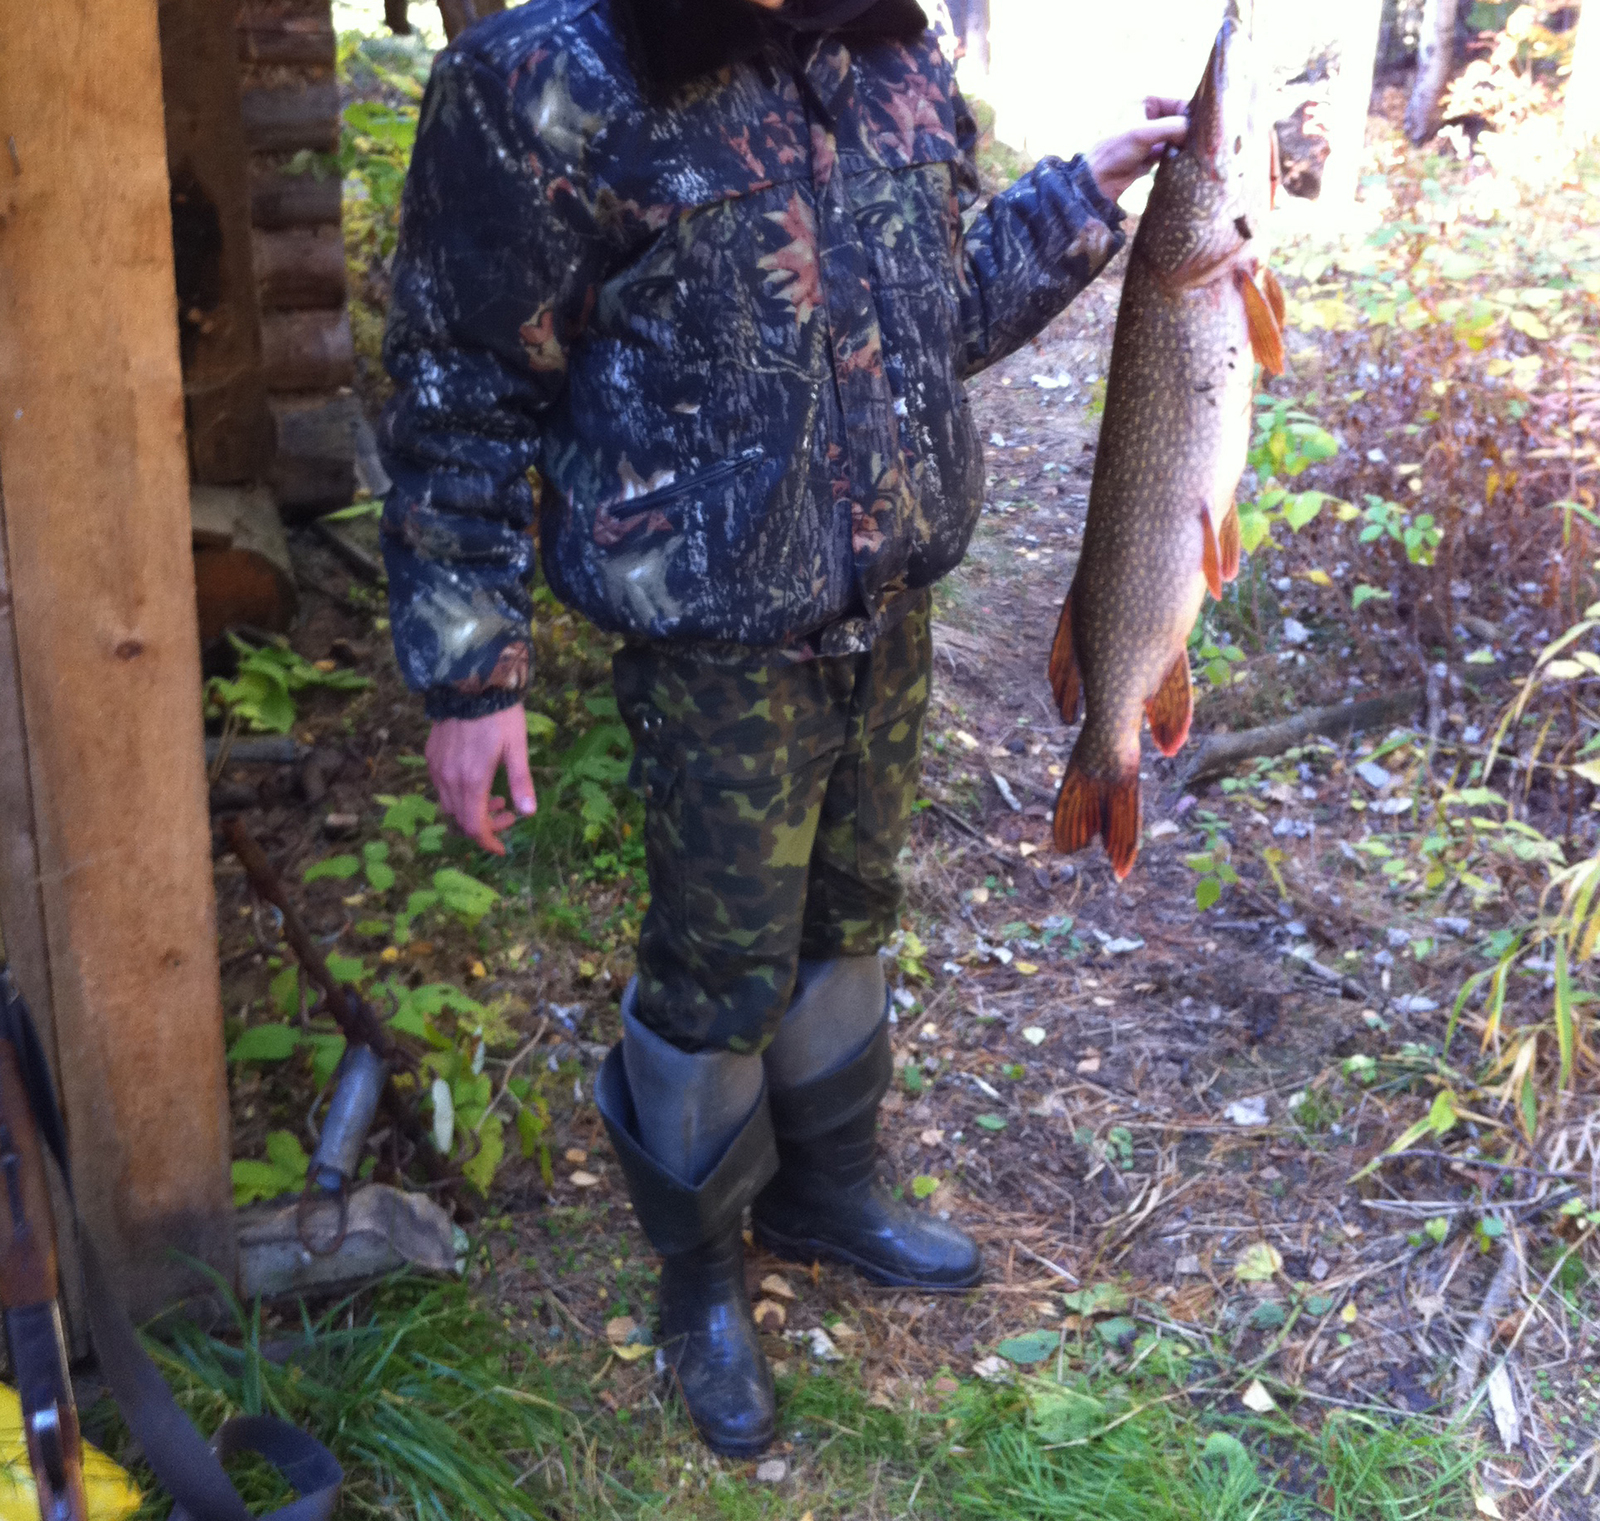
[{"x": 1107, "y": 1085}]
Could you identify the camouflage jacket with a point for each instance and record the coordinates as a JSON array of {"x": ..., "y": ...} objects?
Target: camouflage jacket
[{"x": 722, "y": 336}]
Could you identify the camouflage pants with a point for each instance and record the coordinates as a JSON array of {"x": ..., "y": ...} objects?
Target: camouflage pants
[{"x": 777, "y": 798}]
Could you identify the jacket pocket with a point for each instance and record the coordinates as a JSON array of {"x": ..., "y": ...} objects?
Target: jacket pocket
[{"x": 628, "y": 520}]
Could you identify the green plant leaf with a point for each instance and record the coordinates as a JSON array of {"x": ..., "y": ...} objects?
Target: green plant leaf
[
  {"x": 480, "y": 1168},
  {"x": 1207, "y": 892},
  {"x": 349, "y": 970},
  {"x": 338, "y": 868},
  {"x": 265, "y": 1043},
  {"x": 924, "y": 1187},
  {"x": 991, "y": 1122},
  {"x": 380, "y": 876},
  {"x": 1029, "y": 1348},
  {"x": 464, "y": 896},
  {"x": 1097, "y": 1299},
  {"x": 284, "y": 991},
  {"x": 1364, "y": 594}
]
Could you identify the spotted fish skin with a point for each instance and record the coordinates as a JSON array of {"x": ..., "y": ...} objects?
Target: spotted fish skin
[{"x": 1198, "y": 310}]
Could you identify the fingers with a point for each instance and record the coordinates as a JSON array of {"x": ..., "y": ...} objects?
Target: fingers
[
  {"x": 1157, "y": 106},
  {"x": 1161, "y": 132},
  {"x": 523, "y": 797},
  {"x": 462, "y": 759}
]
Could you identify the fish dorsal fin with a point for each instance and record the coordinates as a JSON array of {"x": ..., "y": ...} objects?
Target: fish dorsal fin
[
  {"x": 1171, "y": 710},
  {"x": 1065, "y": 681},
  {"x": 1228, "y": 546},
  {"x": 1210, "y": 556},
  {"x": 1266, "y": 336}
]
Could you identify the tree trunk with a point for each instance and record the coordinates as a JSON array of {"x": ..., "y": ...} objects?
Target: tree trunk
[
  {"x": 1583, "y": 85},
  {"x": 1356, "y": 24},
  {"x": 1436, "y": 52}
]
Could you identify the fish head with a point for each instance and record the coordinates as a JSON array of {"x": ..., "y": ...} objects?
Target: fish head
[{"x": 1211, "y": 196}]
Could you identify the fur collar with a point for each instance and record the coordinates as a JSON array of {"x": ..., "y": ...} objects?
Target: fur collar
[{"x": 678, "y": 41}]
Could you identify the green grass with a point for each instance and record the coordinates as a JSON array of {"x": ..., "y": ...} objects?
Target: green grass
[{"x": 439, "y": 1411}]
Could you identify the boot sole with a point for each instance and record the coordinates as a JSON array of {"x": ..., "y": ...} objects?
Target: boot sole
[{"x": 809, "y": 1249}]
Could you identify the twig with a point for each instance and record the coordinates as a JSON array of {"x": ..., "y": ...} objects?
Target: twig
[
  {"x": 265, "y": 751},
  {"x": 1479, "y": 1334},
  {"x": 1348, "y": 986},
  {"x": 1221, "y": 752},
  {"x": 1045, "y": 1262},
  {"x": 950, "y": 816}
]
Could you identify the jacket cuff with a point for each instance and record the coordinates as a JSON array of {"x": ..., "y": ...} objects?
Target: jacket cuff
[
  {"x": 450, "y": 702},
  {"x": 1083, "y": 181}
]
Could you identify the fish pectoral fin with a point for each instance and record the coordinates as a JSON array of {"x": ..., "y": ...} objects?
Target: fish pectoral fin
[
  {"x": 1228, "y": 546},
  {"x": 1274, "y": 294},
  {"x": 1065, "y": 680},
  {"x": 1210, "y": 555},
  {"x": 1171, "y": 710},
  {"x": 1090, "y": 806},
  {"x": 1266, "y": 337}
]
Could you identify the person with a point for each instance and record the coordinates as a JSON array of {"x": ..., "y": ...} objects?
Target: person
[{"x": 685, "y": 297}]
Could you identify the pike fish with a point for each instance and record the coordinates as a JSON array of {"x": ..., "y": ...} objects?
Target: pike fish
[{"x": 1199, "y": 309}]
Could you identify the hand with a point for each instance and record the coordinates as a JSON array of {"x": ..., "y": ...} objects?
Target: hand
[
  {"x": 1118, "y": 161},
  {"x": 463, "y": 756}
]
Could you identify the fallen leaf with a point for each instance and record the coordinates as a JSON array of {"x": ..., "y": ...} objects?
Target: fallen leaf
[
  {"x": 1090, "y": 1064},
  {"x": 1033, "y": 1035},
  {"x": 1503, "y": 1402},
  {"x": 1261, "y": 1263},
  {"x": 1027, "y": 968},
  {"x": 1025, "y": 850},
  {"x": 1485, "y": 1506},
  {"x": 478, "y": 969},
  {"x": 991, "y": 1368},
  {"x": 577, "y": 1156},
  {"x": 821, "y": 1345},
  {"x": 1187, "y": 1266},
  {"x": 632, "y": 1352},
  {"x": 1349, "y": 1314},
  {"x": 1257, "y": 1399},
  {"x": 777, "y": 1285},
  {"x": 773, "y": 1471},
  {"x": 769, "y": 1315},
  {"x": 619, "y": 1328},
  {"x": 581, "y": 1179},
  {"x": 1161, "y": 830},
  {"x": 844, "y": 1331},
  {"x": 931, "y": 1137},
  {"x": 1247, "y": 1112}
]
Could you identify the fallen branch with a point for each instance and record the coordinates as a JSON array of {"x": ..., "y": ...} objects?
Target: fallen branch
[
  {"x": 1479, "y": 1334},
  {"x": 1224, "y": 751},
  {"x": 267, "y": 751}
]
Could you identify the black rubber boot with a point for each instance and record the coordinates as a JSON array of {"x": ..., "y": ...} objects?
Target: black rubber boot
[
  {"x": 826, "y": 1201},
  {"x": 707, "y": 1334}
]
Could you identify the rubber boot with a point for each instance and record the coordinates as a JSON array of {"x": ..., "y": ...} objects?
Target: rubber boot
[
  {"x": 825, "y": 1082},
  {"x": 694, "y": 1138}
]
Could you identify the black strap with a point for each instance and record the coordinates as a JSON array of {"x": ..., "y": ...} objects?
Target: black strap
[{"x": 187, "y": 1466}]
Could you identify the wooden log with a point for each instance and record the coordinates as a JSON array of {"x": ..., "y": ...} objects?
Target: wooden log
[
  {"x": 229, "y": 430},
  {"x": 299, "y": 41},
  {"x": 296, "y": 200},
  {"x": 300, "y": 268},
  {"x": 242, "y": 572},
  {"x": 1221, "y": 752},
  {"x": 314, "y": 469},
  {"x": 307, "y": 351},
  {"x": 289, "y": 120},
  {"x": 96, "y": 529}
]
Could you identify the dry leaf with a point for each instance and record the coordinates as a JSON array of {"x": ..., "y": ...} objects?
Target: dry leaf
[
  {"x": 582, "y": 1179},
  {"x": 632, "y": 1352},
  {"x": 1025, "y": 850},
  {"x": 773, "y": 1471},
  {"x": 1033, "y": 1035},
  {"x": 931, "y": 1137},
  {"x": 1089, "y": 1064},
  {"x": 478, "y": 969},
  {"x": 991, "y": 1368},
  {"x": 844, "y": 1332},
  {"x": 619, "y": 1328},
  {"x": 1348, "y": 1314},
  {"x": 770, "y": 1315},
  {"x": 1027, "y": 968},
  {"x": 1260, "y": 1263},
  {"x": 577, "y": 1156},
  {"x": 777, "y": 1286},
  {"x": 1485, "y": 1506},
  {"x": 1257, "y": 1399}
]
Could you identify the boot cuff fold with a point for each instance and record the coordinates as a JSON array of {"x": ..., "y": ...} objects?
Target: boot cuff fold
[
  {"x": 676, "y": 1217},
  {"x": 836, "y": 1098}
]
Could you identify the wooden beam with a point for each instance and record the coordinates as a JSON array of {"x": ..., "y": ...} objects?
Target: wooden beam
[
  {"x": 96, "y": 528},
  {"x": 230, "y": 430}
]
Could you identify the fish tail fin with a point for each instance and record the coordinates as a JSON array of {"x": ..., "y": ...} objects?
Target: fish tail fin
[
  {"x": 1090, "y": 806},
  {"x": 1065, "y": 680},
  {"x": 1171, "y": 710},
  {"x": 1210, "y": 556},
  {"x": 1228, "y": 546},
  {"x": 1266, "y": 336},
  {"x": 1274, "y": 294}
]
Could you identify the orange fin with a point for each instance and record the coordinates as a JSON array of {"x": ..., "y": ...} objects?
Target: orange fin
[
  {"x": 1111, "y": 809},
  {"x": 1274, "y": 294},
  {"x": 1171, "y": 710},
  {"x": 1228, "y": 547},
  {"x": 1064, "y": 679},
  {"x": 1266, "y": 337},
  {"x": 1210, "y": 557}
]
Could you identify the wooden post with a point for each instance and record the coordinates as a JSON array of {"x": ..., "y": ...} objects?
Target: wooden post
[{"x": 96, "y": 528}]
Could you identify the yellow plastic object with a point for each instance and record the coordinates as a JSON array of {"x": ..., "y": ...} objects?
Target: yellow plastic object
[{"x": 107, "y": 1486}]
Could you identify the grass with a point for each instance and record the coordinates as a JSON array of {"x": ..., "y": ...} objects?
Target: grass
[{"x": 439, "y": 1411}]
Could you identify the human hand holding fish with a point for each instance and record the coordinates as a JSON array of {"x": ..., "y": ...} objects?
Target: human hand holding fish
[{"x": 1117, "y": 162}]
